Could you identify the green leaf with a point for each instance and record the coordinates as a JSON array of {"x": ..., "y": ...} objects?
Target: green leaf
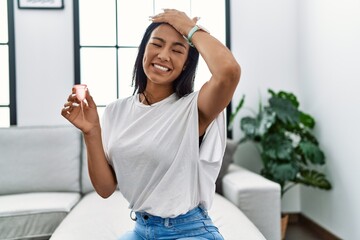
[
  {"x": 281, "y": 172},
  {"x": 237, "y": 109},
  {"x": 249, "y": 126},
  {"x": 272, "y": 93},
  {"x": 306, "y": 135},
  {"x": 289, "y": 97},
  {"x": 256, "y": 128},
  {"x": 277, "y": 146},
  {"x": 265, "y": 120},
  {"x": 285, "y": 110},
  {"x": 307, "y": 120},
  {"x": 286, "y": 96},
  {"x": 314, "y": 179},
  {"x": 312, "y": 152}
]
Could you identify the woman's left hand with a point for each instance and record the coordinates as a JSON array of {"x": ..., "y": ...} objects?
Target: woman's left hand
[{"x": 179, "y": 20}]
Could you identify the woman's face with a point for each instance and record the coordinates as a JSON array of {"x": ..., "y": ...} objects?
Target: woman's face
[{"x": 165, "y": 55}]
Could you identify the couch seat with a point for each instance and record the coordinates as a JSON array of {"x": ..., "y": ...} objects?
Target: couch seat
[
  {"x": 33, "y": 215},
  {"x": 95, "y": 218}
]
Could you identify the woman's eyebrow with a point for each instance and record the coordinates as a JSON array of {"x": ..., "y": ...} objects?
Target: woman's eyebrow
[{"x": 175, "y": 43}]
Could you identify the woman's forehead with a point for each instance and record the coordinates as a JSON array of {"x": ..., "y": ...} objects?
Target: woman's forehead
[{"x": 168, "y": 33}]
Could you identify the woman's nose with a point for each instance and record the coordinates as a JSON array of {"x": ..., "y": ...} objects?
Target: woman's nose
[{"x": 164, "y": 55}]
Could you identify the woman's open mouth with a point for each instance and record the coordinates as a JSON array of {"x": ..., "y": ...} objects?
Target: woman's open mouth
[{"x": 161, "y": 68}]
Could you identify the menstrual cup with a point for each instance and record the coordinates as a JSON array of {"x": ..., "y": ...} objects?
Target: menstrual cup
[
  {"x": 80, "y": 91},
  {"x": 80, "y": 95}
]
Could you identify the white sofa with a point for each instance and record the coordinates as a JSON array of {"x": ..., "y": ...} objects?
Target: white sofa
[{"x": 45, "y": 193}]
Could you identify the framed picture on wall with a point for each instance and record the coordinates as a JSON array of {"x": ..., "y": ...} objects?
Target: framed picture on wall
[{"x": 41, "y": 4}]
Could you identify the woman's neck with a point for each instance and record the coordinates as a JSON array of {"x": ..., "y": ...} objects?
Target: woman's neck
[{"x": 154, "y": 95}]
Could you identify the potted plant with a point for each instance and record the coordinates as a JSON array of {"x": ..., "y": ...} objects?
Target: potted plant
[{"x": 282, "y": 133}]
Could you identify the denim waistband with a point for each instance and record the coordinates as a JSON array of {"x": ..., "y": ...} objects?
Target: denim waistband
[{"x": 194, "y": 214}]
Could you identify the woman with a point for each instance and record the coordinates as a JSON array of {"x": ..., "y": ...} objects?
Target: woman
[{"x": 163, "y": 146}]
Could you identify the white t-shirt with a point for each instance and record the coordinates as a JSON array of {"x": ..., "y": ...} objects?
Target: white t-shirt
[{"x": 155, "y": 153}]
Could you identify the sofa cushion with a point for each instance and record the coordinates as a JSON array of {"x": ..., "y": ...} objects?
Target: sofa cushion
[
  {"x": 39, "y": 159},
  {"x": 257, "y": 197},
  {"x": 228, "y": 158},
  {"x": 33, "y": 215},
  {"x": 96, "y": 218},
  {"x": 232, "y": 222}
]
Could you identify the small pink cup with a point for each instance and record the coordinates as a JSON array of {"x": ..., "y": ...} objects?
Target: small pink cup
[{"x": 80, "y": 91}]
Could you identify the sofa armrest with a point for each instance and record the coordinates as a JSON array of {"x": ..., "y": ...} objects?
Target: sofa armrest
[{"x": 258, "y": 198}]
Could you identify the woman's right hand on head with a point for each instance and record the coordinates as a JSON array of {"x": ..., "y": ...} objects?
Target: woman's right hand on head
[{"x": 85, "y": 118}]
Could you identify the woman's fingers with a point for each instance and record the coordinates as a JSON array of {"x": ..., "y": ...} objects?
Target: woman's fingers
[
  {"x": 72, "y": 98},
  {"x": 68, "y": 108},
  {"x": 82, "y": 114},
  {"x": 89, "y": 99},
  {"x": 71, "y": 104},
  {"x": 179, "y": 20},
  {"x": 196, "y": 19},
  {"x": 66, "y": 111}
]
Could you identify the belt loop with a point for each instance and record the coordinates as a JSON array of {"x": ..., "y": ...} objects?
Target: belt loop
[
  {"x": 204, "y": 211},
  {"x": 131, "y": 216},
  {"x": 166, "y": 222}
]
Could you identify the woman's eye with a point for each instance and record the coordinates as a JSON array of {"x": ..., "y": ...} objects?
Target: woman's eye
[
  {"x": 178, "y": 51},
  {"x": 156, "y": 44}
]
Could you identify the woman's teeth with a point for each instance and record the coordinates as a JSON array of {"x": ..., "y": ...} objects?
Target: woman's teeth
[{"x": 165, "y": 69}]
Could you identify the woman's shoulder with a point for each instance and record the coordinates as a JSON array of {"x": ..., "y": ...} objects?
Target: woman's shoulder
[
  {"x": 119, "y": 103},
  {"x": 189, "y": 97}
]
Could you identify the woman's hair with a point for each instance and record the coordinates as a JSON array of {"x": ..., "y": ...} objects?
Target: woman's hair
[{"x": 183, "y": 84}]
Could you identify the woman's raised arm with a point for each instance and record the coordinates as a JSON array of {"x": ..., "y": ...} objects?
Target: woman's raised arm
[{"x": 216, "y": 93}]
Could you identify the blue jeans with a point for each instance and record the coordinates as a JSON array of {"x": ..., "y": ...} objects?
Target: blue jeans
[{"x": 195, "y": 224}]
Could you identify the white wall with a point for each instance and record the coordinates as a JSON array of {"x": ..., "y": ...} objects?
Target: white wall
[
  {"x": 44, "y": 63},
  {"x": 311, "y": 48},
  {"x": 265, "y": 43},
  {"x": 329, "y": 74}
]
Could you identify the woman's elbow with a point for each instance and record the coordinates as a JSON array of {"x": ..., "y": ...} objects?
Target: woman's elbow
[
  {"x": 232, "y": 73},
  {"x": 236, "y": 70},
  {"x": 105, "y": 192}
]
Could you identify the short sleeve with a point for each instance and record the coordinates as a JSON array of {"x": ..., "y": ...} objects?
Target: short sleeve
[{"x": 211, "y": 155}]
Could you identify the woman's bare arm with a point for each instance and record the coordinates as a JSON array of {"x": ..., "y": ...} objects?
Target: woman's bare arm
[
  {"x": 216, "y": 93},
  {"x": 101, "y": 173},
  {"x": 87, "y": 120}
]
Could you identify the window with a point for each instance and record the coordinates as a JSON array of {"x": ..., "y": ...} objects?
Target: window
[
  {"x": 7, "y": 93},
  {"x": 107, "y": 36}
]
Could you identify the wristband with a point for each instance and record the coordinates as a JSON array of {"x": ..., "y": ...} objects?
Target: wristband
[{"x": 191, "y": 33}]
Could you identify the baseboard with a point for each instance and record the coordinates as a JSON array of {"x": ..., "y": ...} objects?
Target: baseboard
[{"x": 313, "y": 226}]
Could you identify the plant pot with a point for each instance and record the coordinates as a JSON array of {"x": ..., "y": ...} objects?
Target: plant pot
[{"x": 284, "y": 223}]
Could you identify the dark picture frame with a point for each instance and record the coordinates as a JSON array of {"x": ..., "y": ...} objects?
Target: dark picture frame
[{"x": 40, "y": 4}]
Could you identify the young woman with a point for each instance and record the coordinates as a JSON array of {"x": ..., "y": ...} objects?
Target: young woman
[{"x": 163, "y": 146}]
